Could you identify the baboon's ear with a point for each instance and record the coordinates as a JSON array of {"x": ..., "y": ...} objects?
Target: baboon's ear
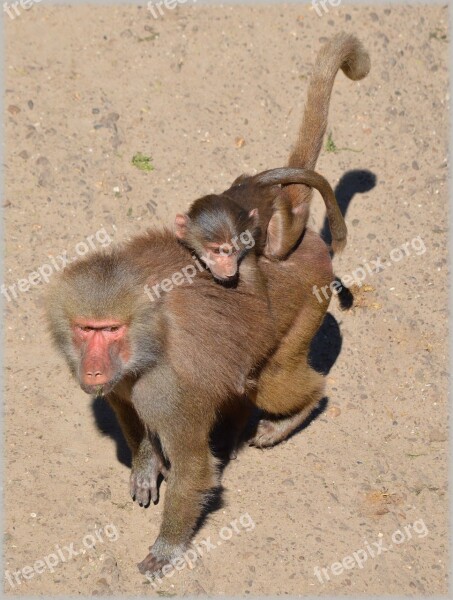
[
  {"x": 181, "y": 223},
  {"x": 254, "y": 215}
]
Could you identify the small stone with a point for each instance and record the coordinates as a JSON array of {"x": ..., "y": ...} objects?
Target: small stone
[
  {"x": 46, "y": 179},
  {"x": 13, "y": 109},
  {"x": 415, "y": 165},
  {"x": 334, "y": 411},
  {"x": 374, "y": 17},
  {"x": 102, "y": 588},
  {"x": 110, "y": 569},
  {"x": 126, "y": 185},
  {"x": 239, "y": 142},
  {"x": 24, "y": 154},
  {"x": 289, "y": 482},
  {"x": 30, "y": 104}
]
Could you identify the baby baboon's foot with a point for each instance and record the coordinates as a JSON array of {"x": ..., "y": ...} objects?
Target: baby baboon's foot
[{"x": 270, "y": 432}]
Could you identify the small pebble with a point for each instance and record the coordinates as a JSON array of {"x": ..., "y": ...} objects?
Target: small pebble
[{"x": 334, "y": 411}]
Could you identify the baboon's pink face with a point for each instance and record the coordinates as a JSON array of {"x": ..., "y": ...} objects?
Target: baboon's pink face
[
  {"x": 223, "y": 260},
  {"x": 104, "y": 350}
]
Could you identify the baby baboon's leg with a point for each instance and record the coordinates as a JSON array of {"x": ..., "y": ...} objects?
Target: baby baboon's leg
[{"x": 288, "y": 387}]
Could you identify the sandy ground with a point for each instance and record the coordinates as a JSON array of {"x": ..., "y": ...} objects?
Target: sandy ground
[{"x": 89, "y": 87}]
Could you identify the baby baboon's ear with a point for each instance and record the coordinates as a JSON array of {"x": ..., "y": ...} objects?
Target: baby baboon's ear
[
  {"x": 181, "y": 223},
  {"x": 254, "y": 214}
]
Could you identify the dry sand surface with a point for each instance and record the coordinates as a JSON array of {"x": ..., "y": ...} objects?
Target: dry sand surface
[{"x": 209, "y": 93}]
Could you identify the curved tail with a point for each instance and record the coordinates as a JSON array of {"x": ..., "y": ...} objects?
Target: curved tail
[
  {"x": 289, "y": 176},
  {"x": 342, "y": 51}
]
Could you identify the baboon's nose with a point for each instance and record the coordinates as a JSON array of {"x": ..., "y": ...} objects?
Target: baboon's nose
[{"x": 95, "y": 377}]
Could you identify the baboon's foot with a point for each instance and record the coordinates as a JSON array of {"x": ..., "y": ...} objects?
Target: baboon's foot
[
  {"x": 272, "y": 431},
  {"x": 160, "y": 555}
]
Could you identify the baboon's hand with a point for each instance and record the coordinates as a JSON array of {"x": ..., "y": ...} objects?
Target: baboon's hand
[{"x": 144, "y": 479}]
